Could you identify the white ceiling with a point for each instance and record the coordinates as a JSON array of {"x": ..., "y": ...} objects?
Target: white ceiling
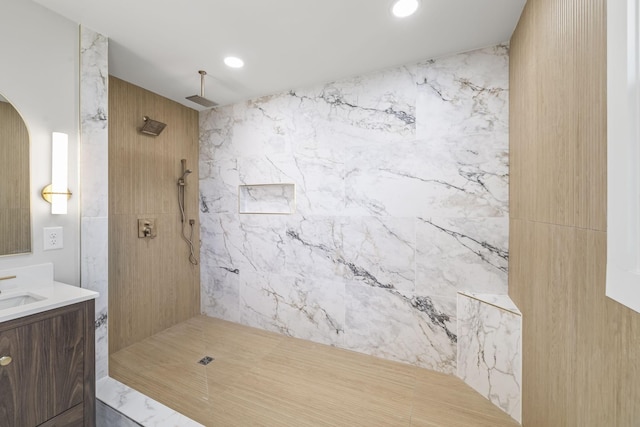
[{"x": 161, "y": 44}]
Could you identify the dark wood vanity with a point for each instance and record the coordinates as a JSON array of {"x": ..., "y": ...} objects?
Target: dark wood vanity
[{"x": 48, "y": 377}]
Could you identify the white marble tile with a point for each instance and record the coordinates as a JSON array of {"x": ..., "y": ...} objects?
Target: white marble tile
[
  {"x": 267, "y": 169},
  {"x": 407, "y": 328},
  {"x": 102, "y": 344},
  {"x": 220, "y": 288},
  {"x": 178, "y": 420},
  {"x": 490, "y": 353},
  {"x": 252, "y": 128},
  {"x": 320, "y": 180},
  {"x": 294, "y": 306},
  {"x": 94, "y": 248},
  {"x": 219, "y": 187},
  {"x": 313, "y": 247},
  {"x": 138, "y": 407},
  {"x": 379, "y": 161},
  {"x": 380, "y": 251},
  {"x": 94, "y": 81},
  {"x": 234, "y": 244},
  {"x": 221, "y": 240},
  {"x": 461, "y": 254},
  {"x": 220, "y": 260},
  {"x": 216, "y": 135},
  {"x": 317, "y": 173},
  {"x": 464, "y": 94},
  {"x": 261, "y": 242},
  {"x": 457, "y": 177},
  {"x": 377, "y": 107},
  {"x": 500, "y": 300}
]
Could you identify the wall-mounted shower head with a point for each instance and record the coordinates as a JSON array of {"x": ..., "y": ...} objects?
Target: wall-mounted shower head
[
  {"x": 200, "y": 99},
  {"x": 185, "y": 173},
  {"x": 152, "y": 127}
]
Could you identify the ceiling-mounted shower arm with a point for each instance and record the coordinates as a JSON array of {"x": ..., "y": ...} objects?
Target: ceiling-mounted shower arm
[
  {"x": 200, "y": 99},
  {"x": 202, "y": 74}
]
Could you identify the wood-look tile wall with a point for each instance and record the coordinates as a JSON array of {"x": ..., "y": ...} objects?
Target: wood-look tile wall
[
  {"x": 581, "y": 350},
  {"x": 15, "y": 193},
  {"x": 152, "y": 285}
]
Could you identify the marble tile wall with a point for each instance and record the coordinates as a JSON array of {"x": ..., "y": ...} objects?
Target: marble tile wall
[
  {"x": 490, "y": 349},
  {"x": 401, "y": 201},
  {"x": 94, "y": 154}
]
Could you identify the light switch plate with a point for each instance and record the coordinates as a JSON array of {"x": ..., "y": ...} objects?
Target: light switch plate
[{"x": 53, "y": 238}]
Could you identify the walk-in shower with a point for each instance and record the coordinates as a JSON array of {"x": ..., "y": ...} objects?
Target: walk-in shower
[{"x": 183, "y": 218}]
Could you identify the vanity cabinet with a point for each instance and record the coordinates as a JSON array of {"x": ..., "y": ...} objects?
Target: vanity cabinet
[{"x": 50, "y": 379}]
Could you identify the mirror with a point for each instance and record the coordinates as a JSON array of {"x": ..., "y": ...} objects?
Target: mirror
[
  {"x": 15, "y": 216},
  {"x": 623, "y": 153}
]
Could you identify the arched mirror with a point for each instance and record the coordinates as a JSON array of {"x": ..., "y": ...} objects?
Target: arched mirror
[{"x": 15, "y": 214}]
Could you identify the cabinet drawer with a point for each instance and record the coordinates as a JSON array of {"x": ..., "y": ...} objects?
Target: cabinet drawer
[
  {"x": 45, "y": 377},
  {"x": 73, "y": 417}
]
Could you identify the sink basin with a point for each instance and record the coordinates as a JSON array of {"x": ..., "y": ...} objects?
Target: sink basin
[{"x": 18, "y": 300}]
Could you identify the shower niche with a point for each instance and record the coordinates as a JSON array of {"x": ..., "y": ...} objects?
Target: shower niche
[{"x": 267, "y": 199}]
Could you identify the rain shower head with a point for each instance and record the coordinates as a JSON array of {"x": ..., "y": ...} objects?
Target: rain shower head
[
  {"x": 200, "y": 99},
  {"x": 152, "y": 127}
]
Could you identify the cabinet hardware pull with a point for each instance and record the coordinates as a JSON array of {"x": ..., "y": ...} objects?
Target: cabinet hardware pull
[{"x": 5, "y": 360}]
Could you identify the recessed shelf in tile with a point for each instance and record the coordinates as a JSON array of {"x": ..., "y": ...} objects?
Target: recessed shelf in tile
[{"x": 267, "y": 199}]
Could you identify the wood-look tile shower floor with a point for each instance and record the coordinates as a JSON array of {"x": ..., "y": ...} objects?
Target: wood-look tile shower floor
[{"x": 259, "y": 378}]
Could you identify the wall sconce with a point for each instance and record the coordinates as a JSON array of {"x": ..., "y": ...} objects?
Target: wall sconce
[{"x": 57, "y": 193}]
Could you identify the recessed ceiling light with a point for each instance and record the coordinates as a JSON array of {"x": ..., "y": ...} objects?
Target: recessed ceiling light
[
  {"x": 233, "y": 62},
  {"x": 404, "y": 8}
]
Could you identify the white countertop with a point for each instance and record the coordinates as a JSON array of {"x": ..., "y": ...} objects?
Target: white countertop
[{"x": 38, "y": 281}]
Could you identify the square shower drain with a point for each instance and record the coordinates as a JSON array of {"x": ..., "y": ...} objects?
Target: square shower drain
[{"x": 205, "y": 360}]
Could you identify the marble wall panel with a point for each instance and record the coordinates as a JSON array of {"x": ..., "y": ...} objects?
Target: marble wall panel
[
  {"x": 461, "y": 253},
  {"x": 94, "y": 180},
  {"x": 219, "y": 182},
  {"x": 458, "y": 176},
  {"x": 295, "y": 306},
  {"x": 464, "y": 94},
  {"x": 413, "y": 329},
  {"x": 490, "y": 349},
  {"x": 313, "y": 247},
  {"x": 401, "y": 201},
  {"x": 221, "y": 293},
  {"x": 262, "y": 243},
  {"x": 380, "y": 251},
  {"x": 216, "y": 134},
  {"x": 94, "y": 82},
  {"x": 374, "y": 108}
]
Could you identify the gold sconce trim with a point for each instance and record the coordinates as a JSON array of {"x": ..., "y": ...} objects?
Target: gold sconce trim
[{"x": 47, "y": 193}]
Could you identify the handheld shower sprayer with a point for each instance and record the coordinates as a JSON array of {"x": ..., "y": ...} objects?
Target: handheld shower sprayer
[
  {"x": 181, "y": 181},
  {"x": 185, "y": 172},
  {"x": 181, "y": 189}
]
